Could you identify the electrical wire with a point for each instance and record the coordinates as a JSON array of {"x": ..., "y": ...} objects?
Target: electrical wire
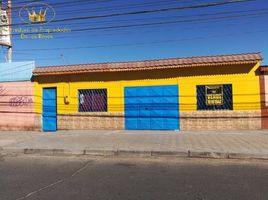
[
  {"x": 157, "y": 10},
  {"x": 127, "y": 6},
  {"x": 73, "y": 24},
  {"x": 152, "y": 24},
  {"x": 193, "y": 6},
  {"x": 63, "y": 4},
  {"x": 75, "y": 48}
]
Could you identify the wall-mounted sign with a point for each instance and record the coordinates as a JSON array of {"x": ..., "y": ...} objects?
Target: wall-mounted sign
[
  {"x": 214, "y": 95},
  {"x": 4, "y": 29}
]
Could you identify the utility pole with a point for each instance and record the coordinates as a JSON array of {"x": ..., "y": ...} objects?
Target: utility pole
[
  {"x": 9, "y": 9},
  {"x": 6, "y": 28}
]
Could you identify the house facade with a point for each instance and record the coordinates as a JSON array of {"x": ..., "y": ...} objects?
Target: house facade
[{"x": 194, "y": 93}]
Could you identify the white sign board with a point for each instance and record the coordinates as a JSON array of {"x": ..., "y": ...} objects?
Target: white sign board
[{"x": 4, "y": 29}]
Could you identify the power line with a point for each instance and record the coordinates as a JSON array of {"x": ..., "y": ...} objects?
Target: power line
[
  {"x": 155, "y": 23},
  {"x": 45, "y": 58},
  {"x": 123, "y": 32},
  {"x": 128, "y": 6},
  {"x": 63, "y": 4},
  {"x": 157, "y": 18},
  {"x": 18, "y": 66},
  {"x": 194, "y": 6},
  {"x": 138, "y": 44},
  {"x": 211, "y": 14},
  {"x": 157, "y": 10}
]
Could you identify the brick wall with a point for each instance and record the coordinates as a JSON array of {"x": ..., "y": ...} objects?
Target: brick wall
[{"x": 220, "y": 120}]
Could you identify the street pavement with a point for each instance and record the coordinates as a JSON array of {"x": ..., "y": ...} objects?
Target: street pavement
[
  {"x": 210, "y": 144},
  {"x": 84, "y": 178}
]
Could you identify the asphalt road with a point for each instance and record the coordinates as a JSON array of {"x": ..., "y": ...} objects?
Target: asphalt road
[{"x": 62, "y": 178}]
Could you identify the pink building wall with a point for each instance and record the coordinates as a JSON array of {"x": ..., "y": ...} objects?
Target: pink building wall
[{"x": 16, "y": 106}]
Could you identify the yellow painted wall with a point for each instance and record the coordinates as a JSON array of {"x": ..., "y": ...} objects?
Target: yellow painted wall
[{"x": 244, "y": 80}]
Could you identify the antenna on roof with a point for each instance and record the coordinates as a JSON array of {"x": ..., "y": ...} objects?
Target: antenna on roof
[{"x": 63, "y": 59}]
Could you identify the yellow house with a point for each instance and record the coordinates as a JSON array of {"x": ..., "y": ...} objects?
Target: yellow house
[{"x": 194, "y": 93}]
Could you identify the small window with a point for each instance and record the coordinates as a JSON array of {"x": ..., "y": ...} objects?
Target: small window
[
  {"x": 93, "y": 100},
  {"x": 214, "y": 97}
]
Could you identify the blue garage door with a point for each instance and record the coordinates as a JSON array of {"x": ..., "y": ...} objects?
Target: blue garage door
[
  {"x": 49, "y": 114},
  {"x": 152, "y": 108}
]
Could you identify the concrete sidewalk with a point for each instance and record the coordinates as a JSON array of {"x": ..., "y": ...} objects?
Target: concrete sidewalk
[{"x": 248, "y": 144}]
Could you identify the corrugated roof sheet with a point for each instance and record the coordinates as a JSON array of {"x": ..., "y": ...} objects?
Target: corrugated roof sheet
[
  {"x": 150, "y": 64},
  {"x": 16, "y": 71}
]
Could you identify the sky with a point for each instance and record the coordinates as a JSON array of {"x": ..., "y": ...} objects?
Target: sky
[{"x": 120, "y": 30}]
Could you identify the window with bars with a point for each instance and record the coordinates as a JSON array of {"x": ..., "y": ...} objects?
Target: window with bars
[
  {"x": 92, "y": 100},
  {"x": 214, "y": 97}
]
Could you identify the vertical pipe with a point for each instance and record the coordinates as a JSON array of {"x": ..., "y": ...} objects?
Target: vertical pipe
[{"x": 10, "y": 31}]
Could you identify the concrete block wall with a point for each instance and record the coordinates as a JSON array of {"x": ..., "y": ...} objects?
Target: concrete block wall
[
  {"x": 220, "y": 120},
  {"x": 89, "y": 121},
  {"x": 189, "y": 121}
]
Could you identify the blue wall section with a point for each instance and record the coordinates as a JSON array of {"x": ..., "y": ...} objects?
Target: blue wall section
[{"x": 16, "y": 71}]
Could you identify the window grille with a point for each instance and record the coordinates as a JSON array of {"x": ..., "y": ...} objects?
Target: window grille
[
  {"x": 214, "y": 97},
  {"x": 92, "y": 100}
]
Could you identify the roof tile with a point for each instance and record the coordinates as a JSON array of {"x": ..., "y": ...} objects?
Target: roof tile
[{"x": 148, "y": 64}]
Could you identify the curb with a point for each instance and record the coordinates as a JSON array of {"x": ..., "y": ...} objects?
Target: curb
[
  {"x": 131, "y": 153},
  {"x": 45, "y": 152},
  {"x": 227, "y": 155}
]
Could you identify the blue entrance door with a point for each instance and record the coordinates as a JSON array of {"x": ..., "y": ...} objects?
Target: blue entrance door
[
  {"x": 152, "y": 108},
  {"x": 49, "y": 114}
]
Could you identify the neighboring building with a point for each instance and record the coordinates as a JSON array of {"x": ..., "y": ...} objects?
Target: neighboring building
[
  {"x": 195, "y": 93},
  {"x": 264, "y": 95},
  {"x": 16, "y": 96}
]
